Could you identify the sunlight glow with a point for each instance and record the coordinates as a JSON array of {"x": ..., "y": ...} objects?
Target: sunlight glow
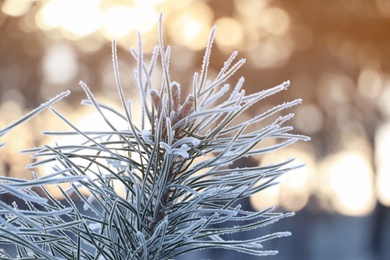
[
  {"x": 382, "y": 151},
  {"x": 117, "y": 21},
  {"x": 230, "y": 33},
  {"x": 84, "y": 120},
  {"x": 192, "y": 26},
  {"x": 16, "y": 7},
  {"x": 348, "y": 181},
  {"x": 148, "y": 2},
  {"x": 294, "y": 190},
  {"x": 59, "y": 64},
  {"x": 144, "y": 18},
  {"x": 295, "y": 185},
  {"x": 77, "y": 17},
  {"x": 266, "y": 198},
  {"x": 345, "y": 182},
  {"x": 80, "y": 18}
]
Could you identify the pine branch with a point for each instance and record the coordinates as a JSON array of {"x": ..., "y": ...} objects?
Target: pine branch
[{"x": 179, "y": 192}]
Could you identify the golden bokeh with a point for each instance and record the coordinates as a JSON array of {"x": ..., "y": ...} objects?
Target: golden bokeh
[{"x": 340, "y": 72}]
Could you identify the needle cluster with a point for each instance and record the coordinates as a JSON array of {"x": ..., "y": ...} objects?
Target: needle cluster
[{"x": 155, "y": 190}]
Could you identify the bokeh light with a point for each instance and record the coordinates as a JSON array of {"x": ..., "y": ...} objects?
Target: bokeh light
[
  {"x": 16, "y": 7},
  {"x": 275, "y": 21},
  {"x": 59, "y": 64},
  {"x": 382, "y": 102},
  {"x": 309, "y": 119},
  {"x": 340, "y": 72},
  {"x": 370, "y": 83},
  {"x": 294, "y": 190},
  {"x": 117, "y": 22},
  {"x": 77, "y": 17},
  {"x": 86, "y": 119},
  {"x": 382, "y": 151},
  {"x": 334, "y": 53},
  {"x": 192, "y": 25},
  {"x": 230, "y": 34},
  {"x": 348, "y": 183},
  {"x": 271, "y": 53}
]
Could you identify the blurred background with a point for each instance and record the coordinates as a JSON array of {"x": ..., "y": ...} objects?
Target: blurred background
[{"x": 335, "y": 53}]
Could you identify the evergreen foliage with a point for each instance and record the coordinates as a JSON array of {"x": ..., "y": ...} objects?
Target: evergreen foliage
[{"x": 178, "y": 193}]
